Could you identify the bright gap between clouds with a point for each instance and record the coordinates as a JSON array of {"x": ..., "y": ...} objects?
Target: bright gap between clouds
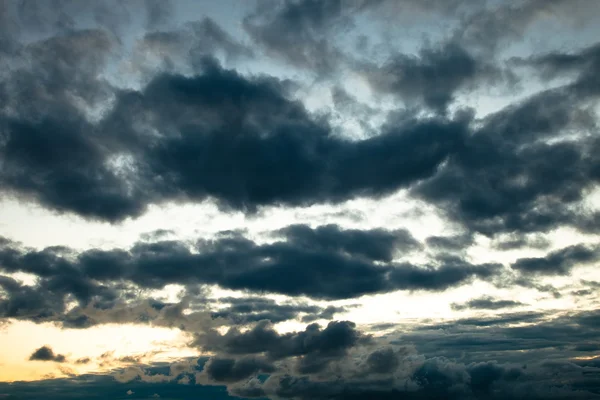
[{"x": 20, "y": 339}]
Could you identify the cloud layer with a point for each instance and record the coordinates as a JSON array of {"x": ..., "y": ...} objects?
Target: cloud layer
[{"x": 476, "y": 115}]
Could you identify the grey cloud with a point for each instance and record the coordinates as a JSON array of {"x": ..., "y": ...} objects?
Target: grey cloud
[
  {"x": 194, "y": 131},
  {"x": 559, "y": 262},
  {"x": 493, "y": 28},
  {"x": 253, "y": 309},
  {"x": 24, "y": 302},
  {"x": 327, "y": 313},
  {"x": 260, "y": 147},
  {"x": 436, "y": 378},
  {"x": 232, "y": 370},
  {"x": 263, "y": 149},
  {"x": 451, "y": 271},
  {"x": 63, "y": 15},
  {"x": 486, "y": 303},
  {"x": 504, "y": 180},
  {"x": 502, "y": 359},
  {"x": 45, "y": 353},
  {"x": 105, "y": 386},
  {"x": 294, "y": 32},
  {"x": 521, "y": 241},
  {"x": 188, "y": 45},
  {"x": 383, "y": 361},
  {"x": 450, "y": 243},
  {"x": 581, "y": 64},
  {"x": 294, "y": 160},
  {"x": 309, "y": 258},
  {"x": 156, "y": 234},
  {"x": 158, "y": 12},
  {"x": 376, "y": 244},
  {"x": 313, "y": 349},
  {"x": 499, "y": 360},
  {"x": 434, "y": 77},
  {"x": 513, "y": 337},
  {"x": 334, "y": 340}
]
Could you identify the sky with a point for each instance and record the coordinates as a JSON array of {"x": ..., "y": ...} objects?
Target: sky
[{"x": 299, "y": 199}]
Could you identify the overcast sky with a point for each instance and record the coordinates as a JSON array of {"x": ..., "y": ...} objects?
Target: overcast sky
[{"x": 307, "y": 199}]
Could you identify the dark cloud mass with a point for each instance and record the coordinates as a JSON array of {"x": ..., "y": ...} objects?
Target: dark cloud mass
[
  {"x": 295, "y": 115},
  {"x": 242, "y": 141},
  {"x": 314, "y": 348},
  {"x": 45, "y": 353},
  {"x": 226, "y": 370},
  {"x": 323, "y": 263},
  {"x": 558, "y": 262},
  {"x": 245, "y": 145}
]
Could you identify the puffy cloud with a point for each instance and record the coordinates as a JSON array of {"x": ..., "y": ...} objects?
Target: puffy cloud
[
  {"x": 559, "y": 262},
  {"x": 45, "y": 353},
  {"x": 434, "y": 77},
  {"x": 361, "y": 261}
]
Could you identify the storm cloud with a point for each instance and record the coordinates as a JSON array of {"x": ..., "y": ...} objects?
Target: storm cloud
[
  {"x": 246, "y": 145},
  {"x": 309, "y": 258},
  {"x": 367, "y": 199}
]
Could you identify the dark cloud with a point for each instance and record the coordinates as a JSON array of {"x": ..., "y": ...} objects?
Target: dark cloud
[
  {"x": 231, "y": 370},
  {"x": 504, "y": 358},
  {"x": 112, "y": 15},
  {"x": 492, "y": 27},
  {"x": 45, "y": 353},
  {"x": 26, "y": 302},
  {"x": 383, "y": 361},
  {"x": 34, "y": 137},
  {"x": 312, "y": 350},
  {"x": 434, "y": 77},
  {"x": 559, "y": 262},
  {"x": 209, "y": 37},
  {"x": 264, "y": 149},
  {"x": 504, "y": 158},
  {"x": 245, "y": 144},
  {"x": 158, "y": 12},
  {"x": 182, "y": 128},
  {"x": 450, "y": 243},
  {"x": 437, "y": 378},
  {"x": 98, "y": 386},
  {"x": 486, "y": 303},
  {"x": 513, "y": 356},
  {"x": 326, "y": 313},
  {"x": 324, "y": 263},
  {"x": 346, "y": 104},
  {"x": 295, "y": 32},
  {"x": 188, "y": 46},
  {"x": 514, "y": 337},
  {"x": 449, "y": 272},
  {"x": 253, "y": 309},
  {"x": 431, "y": 378},
  {"x": 334, "y": 340},
  {"x": 376, "y": 244},
  {"x": 504, "y": 179},
  {"x": 580, "y": 63}
]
